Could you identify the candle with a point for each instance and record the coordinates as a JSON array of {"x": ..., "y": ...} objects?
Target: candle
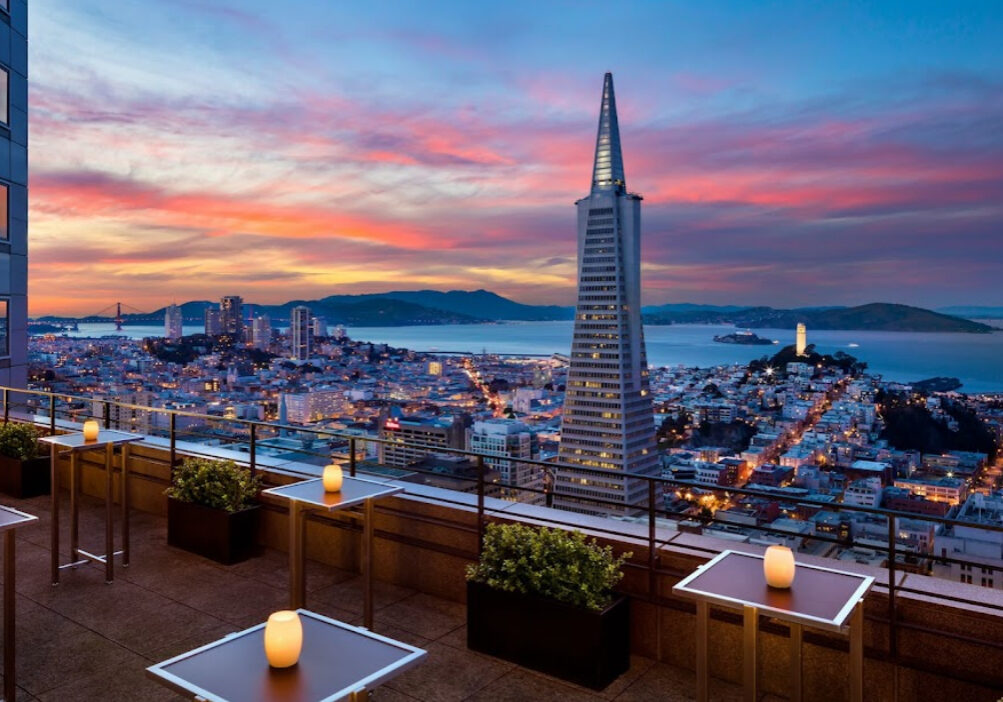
[
  {"x": 91, "y": 429},
  {"x": 332, "y": 478},
  {"x": 283, "y": 639},
  {"x": 778, "y": 567}
]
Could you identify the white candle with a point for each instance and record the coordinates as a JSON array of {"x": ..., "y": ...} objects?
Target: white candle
[
  {"x": 778, "y": 566},
  {"x": 332, "y": 478},
  {"x": 283, "y": 639},
  {"x": 91, "y": 429}
]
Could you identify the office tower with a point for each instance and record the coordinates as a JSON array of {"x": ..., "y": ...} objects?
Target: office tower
[
  {"x": 607, "y": 423},
  {"x": 173, "y": 322},
  {"x": 14, "y": 193},
  {"x": 231, "y": 321},
  {"x": 319, "y": 326},
  {"x": 802, "y": 339},
  {"x": 213, "y": 325},
  {"x": 300, "y": 333},
  {"x": 261, "y": 331},
  {"x": 414, "y": 438},
  {"x": 505, "y": 440}
]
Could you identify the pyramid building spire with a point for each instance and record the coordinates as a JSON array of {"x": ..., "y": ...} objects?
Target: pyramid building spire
[{"x": 607, "y": 173}]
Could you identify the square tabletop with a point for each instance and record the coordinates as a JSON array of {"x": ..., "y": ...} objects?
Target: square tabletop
[
  {"x": 353, "y": 491},
  {"x": 11, "y": 518},
  {"x": 77, "y": 442},
  {"x": 820, "y": 597},
  {"x": 337, "y": 659}
]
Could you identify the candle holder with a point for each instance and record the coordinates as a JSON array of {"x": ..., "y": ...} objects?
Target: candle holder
[
  {"x": 333, "y": 477},
  {"x": 283, "y": 639},
  {"x": 778, "y": 567},
  {"x": 91, "y": 430}
]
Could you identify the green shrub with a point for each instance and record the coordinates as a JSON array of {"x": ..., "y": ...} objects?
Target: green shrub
[
  {"x": 19, "y": 440},
  {"x": 553, "y": 563},
  {"x": 214, "y": 483}
]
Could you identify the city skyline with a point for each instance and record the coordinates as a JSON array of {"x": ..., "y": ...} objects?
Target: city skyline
[{"x": 383, "y": 150}]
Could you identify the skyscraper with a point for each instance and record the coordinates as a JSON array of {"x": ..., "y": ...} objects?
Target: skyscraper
[
  {"x": 213, "y": 326},
  {"x": 230, "y": 317},
  {"x": 607, "y": 424},
  {"x": 173, "y": 322},
  {"x": 300, "y": 333},
  {"x": 14, "y": 193},
  {"x": 261, "y": 332}
]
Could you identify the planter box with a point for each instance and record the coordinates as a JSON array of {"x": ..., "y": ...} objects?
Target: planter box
[
  {"x": 28, "y": 478},
  {"x": 225, "y": 537},
  {"x": 578, "y": 645}
]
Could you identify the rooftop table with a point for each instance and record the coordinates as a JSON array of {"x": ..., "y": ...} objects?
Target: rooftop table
[
  {"x": 10, "y": 519},
  {"x": 310, "y": 495},
  {"x": 76, "y": 444},
  {"x": 819, "y": 597},
  {"x": 338, "y": 662}
]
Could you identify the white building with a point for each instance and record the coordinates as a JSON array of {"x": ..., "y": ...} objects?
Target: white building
[
  {"x": 607, "y": 420},
  {"x": 983, "y": 548},
  {"x": 510, "y": 439},
  {"x": 801, "y": 342},
  {"x": 300, "y": 333},
  {"x": 261, "y": 331},
  {"x": 307, "y": 407},
  {"x": 865, "y": 492},
  {"x": 319, "y": 326},
  {"x": 172, "y": 323}
]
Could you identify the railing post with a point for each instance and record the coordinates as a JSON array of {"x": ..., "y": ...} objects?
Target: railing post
[
  {"x": 480, "y": 505},
  {"x": 652, "y": 582},
  {"x": 892, "y": 627},
  {"x": 253, "y": 446},
  {"x": 107, "y": 414},
  {"x": 174, "y": 440},
  {"x": 6, "y": 405},
  {"x": 351, "y": 456},
  {"x": 52, "y": 414}
]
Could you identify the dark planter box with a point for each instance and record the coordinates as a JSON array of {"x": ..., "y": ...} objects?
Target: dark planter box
[
  {"x": 225, "y": 537},
  {"x": 28, "y": 478},
  {"x": 578, "y": 645}
]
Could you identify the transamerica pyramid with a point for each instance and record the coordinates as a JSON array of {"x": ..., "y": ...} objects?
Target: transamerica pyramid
[{"x": 607, "y": 429}]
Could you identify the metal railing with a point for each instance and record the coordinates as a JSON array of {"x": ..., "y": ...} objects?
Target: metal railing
[{"x": 255, "y": 435}]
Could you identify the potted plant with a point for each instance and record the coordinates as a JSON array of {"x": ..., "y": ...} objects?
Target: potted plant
[
  {"x": 211, "y": 509},
  {"x": 24, "y": 469},
  {"x": 543, "y": 598}
]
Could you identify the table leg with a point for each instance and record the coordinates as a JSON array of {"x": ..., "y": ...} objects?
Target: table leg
[
  {"x": 9, "y": 690},
  {"x": 109, "y": 516},
  {"x": 74, "y": 506},
  {"x": 360, "y": 695},
  {"x": 125, "y": 505},
  {"x": 297, "y": 559},
  {"x": 796, "y": 686},
  {"x": 703, "y": 681},
  {"x": 367, "y": 565},
  {"x": 749, "y": 662},
  {"x": 54, "y": 527},
  {"x": 857, "y": 653}
]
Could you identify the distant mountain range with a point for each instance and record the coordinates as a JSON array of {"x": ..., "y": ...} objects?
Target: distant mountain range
[{"x": 416, "y": 307}]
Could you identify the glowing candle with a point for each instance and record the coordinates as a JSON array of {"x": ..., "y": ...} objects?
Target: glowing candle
[
  {"x": 332, "y": 478},
  {"x": 91, "y": 429},
  {"x": 283, "y": 639},
  {"x": 778, "y": 566}
]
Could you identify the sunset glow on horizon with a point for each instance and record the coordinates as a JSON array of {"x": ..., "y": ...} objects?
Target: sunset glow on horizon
[{"x": 788, "y": 156}]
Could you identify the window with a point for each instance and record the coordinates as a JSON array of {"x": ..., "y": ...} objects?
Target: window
[
  {"x": 4, "y": 209},
  {"x": 4, "y": 326},
  {"x": 4, "y": 93}
]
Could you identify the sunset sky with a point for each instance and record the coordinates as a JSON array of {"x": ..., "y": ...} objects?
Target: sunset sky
[{"x": 788, "y": 153}]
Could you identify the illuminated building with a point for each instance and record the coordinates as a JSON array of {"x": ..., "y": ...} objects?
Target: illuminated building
[
  {"x": 213, "y": 326},
  {"x": 231, "y": 321},
  {"x": 509, "y": 439},
  {"x": 802, "y": 339},
  {"x": 261, "y": 332},
  {"x": 415, "y": 437},
  {"x": 172, "y": 322},
  {"x": 607, "y": 422},
  {"x": 300, "y": 333}
]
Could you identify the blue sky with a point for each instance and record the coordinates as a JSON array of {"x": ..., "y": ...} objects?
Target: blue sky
[{"x": 789, "y": 153}]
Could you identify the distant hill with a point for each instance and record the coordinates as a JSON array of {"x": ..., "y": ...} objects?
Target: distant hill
[{"x": 877, "y": 316}]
